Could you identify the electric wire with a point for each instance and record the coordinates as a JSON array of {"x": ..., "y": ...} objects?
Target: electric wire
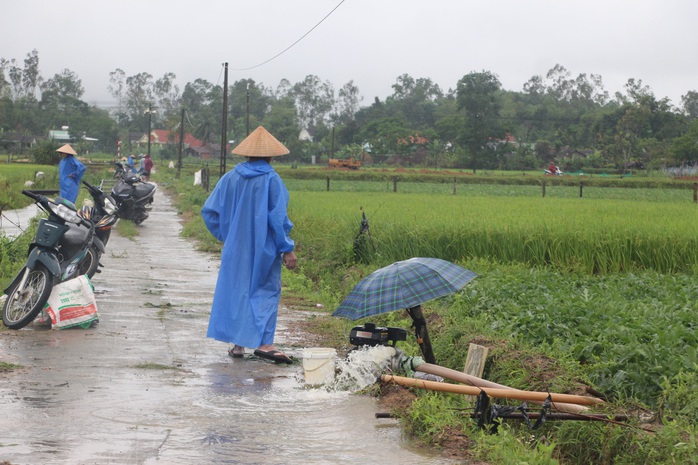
[{"x": 289, "y": 47}]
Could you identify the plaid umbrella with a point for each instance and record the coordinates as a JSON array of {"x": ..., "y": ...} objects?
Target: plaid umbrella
[{"x": 403, "y": 285}]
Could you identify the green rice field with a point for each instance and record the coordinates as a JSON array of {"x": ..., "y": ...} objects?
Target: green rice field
[{"x": 588, "y": 235}]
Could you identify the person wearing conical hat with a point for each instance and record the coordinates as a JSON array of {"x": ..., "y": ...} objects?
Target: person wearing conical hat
[
  {"x": 247, "y": 212},
  {"x": 70, "y": 172}
]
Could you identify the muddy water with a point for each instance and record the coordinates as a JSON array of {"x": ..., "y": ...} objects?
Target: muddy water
[{"x": 145, "y": 386}]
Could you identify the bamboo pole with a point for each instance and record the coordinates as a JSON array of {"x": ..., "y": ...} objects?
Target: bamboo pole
[
  {"x": 535, "y": 416},
  {"x": 455, "y": 375},
  {"x": 492, "y": 392}
]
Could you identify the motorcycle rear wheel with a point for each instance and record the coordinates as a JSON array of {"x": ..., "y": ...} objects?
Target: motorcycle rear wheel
[
  {"x": 19, "y": 311},
  {"x": 139, "y": 218},
  {"x": 90, "y": 262}
]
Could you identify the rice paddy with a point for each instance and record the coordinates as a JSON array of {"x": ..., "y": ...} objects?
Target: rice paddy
[{"x": 589, "y": 235}]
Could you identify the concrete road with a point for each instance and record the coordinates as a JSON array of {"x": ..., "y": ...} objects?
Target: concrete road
[{"x": 145, "y": 386}]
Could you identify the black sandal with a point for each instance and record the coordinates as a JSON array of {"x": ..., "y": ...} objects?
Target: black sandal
[{"x": 234, "y": 354}]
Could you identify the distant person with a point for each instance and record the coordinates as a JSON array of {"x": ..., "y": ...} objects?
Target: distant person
[
  {"x": 247, "y": 211},
  {"x": 147, "y": 167},
  {"x": 130, "y": 164},
  {"x": 70, "y": 172},
  {"x": 552, "y": 168}
]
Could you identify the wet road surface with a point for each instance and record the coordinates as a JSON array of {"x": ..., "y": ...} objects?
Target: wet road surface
[{"x": 145, "y": 386}]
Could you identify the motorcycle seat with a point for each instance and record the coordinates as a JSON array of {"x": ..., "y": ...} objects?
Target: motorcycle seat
[
  {"x": 76, "y": 234},
  {"x": 144, "y": 189}
]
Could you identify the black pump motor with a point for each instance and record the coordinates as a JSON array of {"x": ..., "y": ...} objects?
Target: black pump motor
[{"x": 372, "y": 335}]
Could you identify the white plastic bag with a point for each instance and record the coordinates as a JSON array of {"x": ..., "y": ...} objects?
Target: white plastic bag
[{"x": 72, "y": 303}]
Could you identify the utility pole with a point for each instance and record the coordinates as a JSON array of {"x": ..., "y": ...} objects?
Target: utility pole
[
  {"x": 248, "y": 108},
  {"x": 224, "y": 130},
  {"x": 150, "y": 114},
  {"x": 332, "y": 149},
  {"x": 181, "y": 142}
]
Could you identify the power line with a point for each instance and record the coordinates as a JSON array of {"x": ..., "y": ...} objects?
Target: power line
[{"x": 289, "y": 47}]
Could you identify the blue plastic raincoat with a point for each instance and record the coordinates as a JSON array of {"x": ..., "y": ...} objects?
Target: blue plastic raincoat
[
  {"x": 247, "y": 211},
  {"x": 70, "y": 172},
  {"x": 130, "y": 164}
]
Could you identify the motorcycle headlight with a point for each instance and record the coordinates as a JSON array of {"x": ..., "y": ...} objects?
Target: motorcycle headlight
[
  {"x": 65, "y": 213},
  {"x": 109, "y": 206}
]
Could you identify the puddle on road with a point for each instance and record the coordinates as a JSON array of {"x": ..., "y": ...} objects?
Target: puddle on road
[
  {"x": 223, "y": 411},
  {"x": 257, "y": 412}
]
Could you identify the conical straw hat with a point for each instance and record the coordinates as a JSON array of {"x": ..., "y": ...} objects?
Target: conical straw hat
[
  {"x": 66, "y": 149},
  {"x": 260, "y": 143}
]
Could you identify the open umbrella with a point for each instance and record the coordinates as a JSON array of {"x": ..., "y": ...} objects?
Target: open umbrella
[{"x": 405, "y": 285}]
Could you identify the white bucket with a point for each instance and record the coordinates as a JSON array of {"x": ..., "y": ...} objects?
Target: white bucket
[{"x": 318, "y": 364}]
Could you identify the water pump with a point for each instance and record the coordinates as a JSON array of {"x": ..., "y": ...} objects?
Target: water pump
[{"x": 372, "y": 335}]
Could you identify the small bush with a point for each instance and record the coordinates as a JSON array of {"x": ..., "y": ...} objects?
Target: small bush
[{"x": 44, "y": 153}]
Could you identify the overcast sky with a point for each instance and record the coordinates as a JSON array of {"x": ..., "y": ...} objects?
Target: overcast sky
[{"x": 371, "y": 42}]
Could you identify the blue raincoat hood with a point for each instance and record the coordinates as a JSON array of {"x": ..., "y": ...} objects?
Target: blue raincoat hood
[{"x": 252, "y": 168}]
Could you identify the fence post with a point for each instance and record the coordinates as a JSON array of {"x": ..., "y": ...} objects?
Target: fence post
[
  {"x": 454, "y": 185},
  {"x": 581, "y": 188},
  {"x": 204, "y": 178},
  {"x": 542, "y": 187},
  {"x": 328, "y": 183},
  {"x": 695, "y": 192},
  {"x": 394, "y": 183}
]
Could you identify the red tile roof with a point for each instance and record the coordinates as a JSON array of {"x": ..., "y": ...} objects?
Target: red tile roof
[{"x": 163, "y": 136}]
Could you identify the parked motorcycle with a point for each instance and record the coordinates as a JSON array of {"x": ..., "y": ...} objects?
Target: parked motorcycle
[
  {"x": 60, "y": 244},
  {"x": 102, "y": 212},
  {"x": 119, "y": 170},
  {"x": 133, "y": 198}
]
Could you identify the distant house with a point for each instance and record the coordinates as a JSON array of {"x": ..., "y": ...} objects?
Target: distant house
[
  {"x": 61, "y": 135},
  {"x": 164, "y": 137},
  {"x": 191, "y": 141},
  {"x": 16, "y": 142},
  {"x": 495, "y": 143},
  {"x": 205, "y": 152}
]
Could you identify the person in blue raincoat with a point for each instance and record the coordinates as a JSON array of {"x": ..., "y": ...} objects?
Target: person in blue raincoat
[
  {"x": 130, "y": 164},
  {"x": 247, "y": 211},
  {"x": 70, "y": 172}
]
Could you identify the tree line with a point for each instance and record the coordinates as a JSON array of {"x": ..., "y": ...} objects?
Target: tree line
[{"x": 477, "y": 124}]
